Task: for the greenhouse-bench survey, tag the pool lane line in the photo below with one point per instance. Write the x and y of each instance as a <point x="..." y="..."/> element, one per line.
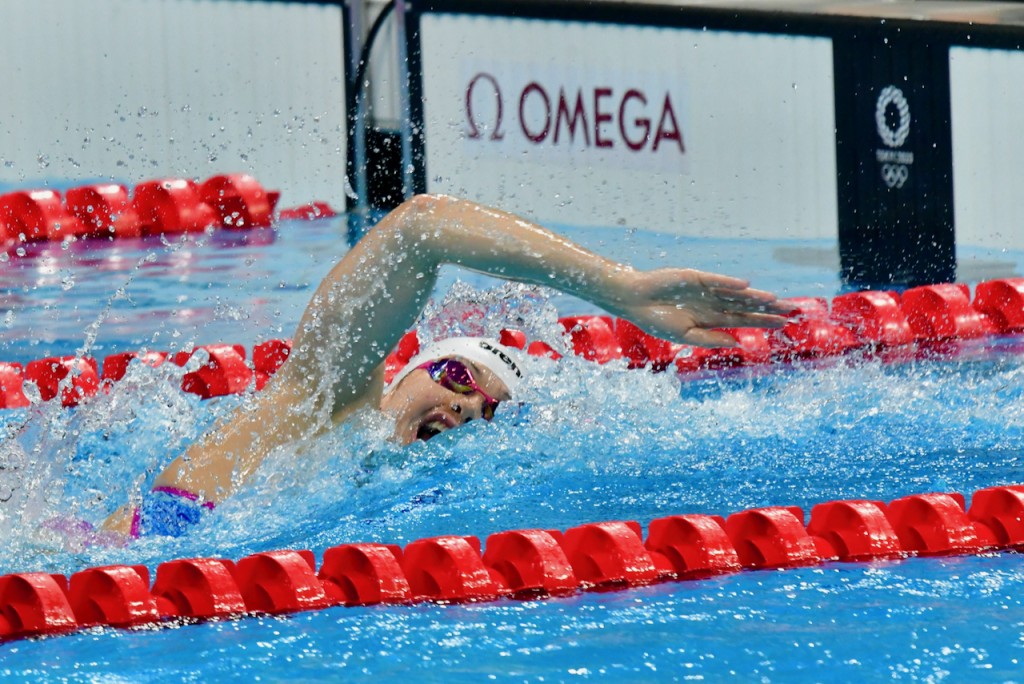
<point x="517" y="564"/>
<point x="931" y="321"/>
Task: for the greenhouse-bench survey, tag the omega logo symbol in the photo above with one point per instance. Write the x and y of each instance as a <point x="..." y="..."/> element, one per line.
<point x="474" y="129"/>
<point x="632" y="119"/>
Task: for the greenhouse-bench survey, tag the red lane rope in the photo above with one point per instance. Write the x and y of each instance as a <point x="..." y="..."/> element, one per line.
<point x="157" y="207"/>
<point x="923" y="321"/>
<point x="519" y="564"/>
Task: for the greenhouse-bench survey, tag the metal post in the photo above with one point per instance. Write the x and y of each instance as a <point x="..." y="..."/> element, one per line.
<point x="357" y="16"/>
<point x="403" y="95"/>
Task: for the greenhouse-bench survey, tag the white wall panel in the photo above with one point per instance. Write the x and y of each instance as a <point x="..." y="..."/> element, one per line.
<point x="987" y="102"/>
<point x="138" y="89"/>
<point x="756" y="113"/>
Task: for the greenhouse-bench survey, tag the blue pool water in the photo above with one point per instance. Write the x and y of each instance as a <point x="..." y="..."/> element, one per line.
<point x="592" y="443"/>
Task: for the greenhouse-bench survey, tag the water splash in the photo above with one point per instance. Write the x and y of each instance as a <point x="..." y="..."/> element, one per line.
<point x="588" y="443"/>
<point x="466" y="310"/>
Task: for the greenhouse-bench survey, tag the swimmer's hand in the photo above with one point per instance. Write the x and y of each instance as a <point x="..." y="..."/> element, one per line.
<point x="685" y="305"/>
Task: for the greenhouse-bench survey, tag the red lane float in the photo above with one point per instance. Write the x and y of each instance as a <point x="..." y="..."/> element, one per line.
<point x="74" y="378"/>
<point x="877" y="322"/>
<point x="171" y="206"/>
<point x="1003" y="302"/>
<point x="642" y="349"/>
<point x="267" y="358"/>
<point x="155" y="207"/>
<point x="104" y="210"/>
<point x="516" y="339"/>
<point x="592" y="337"/>
<point x="37" y="216"/>
<point x="609" y="553"/>
<point x="520" y="563"/>
<point x="874" y="318"/>
<point x="281" y="582"/>
<point x="408" y="347"/>
<point x="531" y="562"/>
<point x="1000" y="510"/>
<point x="239" y="201"/>
<point x="810" y="333"/>
<point x="539" y="348"/>
<point x="943" y="312"/>
<point x="308" y="212"/>
<point x="115" y="595"/>
<point x="222" y="372"/>
<point x="199" y="588"/>
<point x="936" y="524"/>
<point x="365" y="574"/>
<point x="772" y="537"/>
<point x="694" y="545"/>
<point x="35" y="604"/>
<point x="752" y="348"/>
<point x="12" y="381"/>
<point x="115" y="366"/>
<point x="854" y="531"/>
<point x="450" y="569"/>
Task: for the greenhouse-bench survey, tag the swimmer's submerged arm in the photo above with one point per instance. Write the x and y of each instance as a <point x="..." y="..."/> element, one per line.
<point x="375" y="293"/>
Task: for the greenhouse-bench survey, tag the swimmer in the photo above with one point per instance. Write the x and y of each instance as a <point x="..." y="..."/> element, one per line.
<point x="375" y="294"/>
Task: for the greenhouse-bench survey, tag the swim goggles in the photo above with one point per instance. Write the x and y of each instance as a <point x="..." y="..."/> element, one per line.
<point x="456" y="377"/>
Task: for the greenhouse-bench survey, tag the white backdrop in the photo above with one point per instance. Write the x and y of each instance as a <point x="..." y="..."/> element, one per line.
<point x="988" y="146"/>
<point x="741" y="127"/>
<point x="138" y="89"/>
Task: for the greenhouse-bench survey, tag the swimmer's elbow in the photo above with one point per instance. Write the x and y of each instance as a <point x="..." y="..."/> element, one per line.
<point x="419" y="221"/>
<point x="424" y="206"/>
<point x="423" y="211"/>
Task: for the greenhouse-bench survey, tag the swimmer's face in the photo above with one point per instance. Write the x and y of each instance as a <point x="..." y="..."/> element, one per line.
<point x="422" y="408"/>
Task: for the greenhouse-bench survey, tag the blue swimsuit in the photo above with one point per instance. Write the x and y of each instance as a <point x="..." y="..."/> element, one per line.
<point x="168" y="512"/>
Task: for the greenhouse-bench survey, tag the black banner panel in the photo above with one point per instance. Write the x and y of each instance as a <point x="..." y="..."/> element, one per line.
<point x="893" y="153"/>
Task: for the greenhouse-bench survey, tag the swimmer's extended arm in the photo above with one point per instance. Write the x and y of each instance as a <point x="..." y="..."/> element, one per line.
<point x="374" y="295"/>
<point x="376" y="292"/>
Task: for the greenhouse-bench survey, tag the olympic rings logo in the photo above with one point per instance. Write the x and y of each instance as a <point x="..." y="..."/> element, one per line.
<point x="891" y="95"/>
<point x="895" y="175"/>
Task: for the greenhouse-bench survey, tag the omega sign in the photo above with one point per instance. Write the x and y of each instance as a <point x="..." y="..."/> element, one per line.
<point x="544" y="116"/>
<point x="892" y="121"/>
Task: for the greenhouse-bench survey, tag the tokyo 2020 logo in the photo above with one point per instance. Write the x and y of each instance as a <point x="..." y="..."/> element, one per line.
<point x="892" y="96"/>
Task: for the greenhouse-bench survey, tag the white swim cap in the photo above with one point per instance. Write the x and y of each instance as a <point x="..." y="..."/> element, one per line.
<point x="482" y="351"/>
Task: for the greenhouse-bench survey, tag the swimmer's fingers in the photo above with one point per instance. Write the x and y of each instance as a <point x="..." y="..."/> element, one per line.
<point x="755" y="301"/>
<point x="698" y="325"/>
<point x="744" y="319"/>
<point x="705" y="337"/>
<point x="671" y="282"/>
<point x="717" y="281"/>
<point x="690" y="287"/>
